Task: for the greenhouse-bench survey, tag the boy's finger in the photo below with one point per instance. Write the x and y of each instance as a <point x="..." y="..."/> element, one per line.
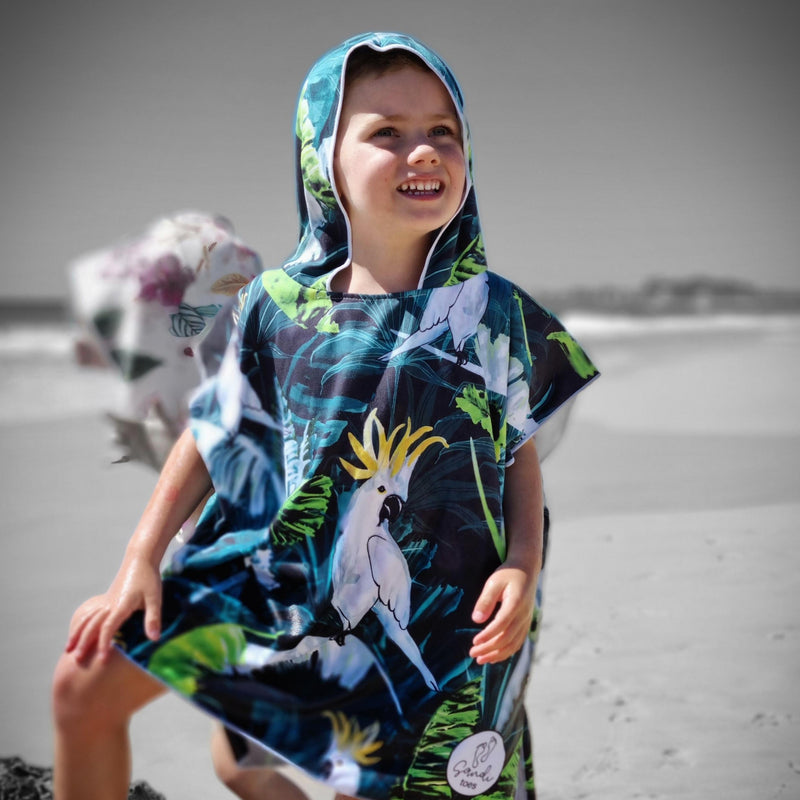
<point x="486" y="634"/>
<point x="87" y="639"/>
<point x="493" y="653"/>
<point x="104" y="640"/>
<point x="76" y="628"/>
<point x="152" y="616"/>
<point x="486" y="640"/>
<point x="489" y="655"/>
<point x="498" y="641"/>
<point x="487" y="601"/>
<point x="110" y="627"/>
<point x="79" y="619"/>
<point x="501" y="621"/>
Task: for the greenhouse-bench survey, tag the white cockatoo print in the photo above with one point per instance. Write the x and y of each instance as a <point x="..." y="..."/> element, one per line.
<point x="369" y="571"/>
<point x="351" y="749"/>
<point x="459" y="308"/>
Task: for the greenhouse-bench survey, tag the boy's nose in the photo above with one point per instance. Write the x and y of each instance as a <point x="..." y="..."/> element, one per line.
<point x="423" y="153"/>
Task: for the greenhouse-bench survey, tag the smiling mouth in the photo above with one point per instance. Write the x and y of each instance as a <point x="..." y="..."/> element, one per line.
<point x="428" y="188"/>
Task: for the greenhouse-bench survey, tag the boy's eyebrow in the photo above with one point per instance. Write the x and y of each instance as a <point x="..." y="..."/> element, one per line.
<point x="442" y="115"/>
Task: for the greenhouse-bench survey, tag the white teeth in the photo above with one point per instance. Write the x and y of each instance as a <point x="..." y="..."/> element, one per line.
<point x="421" y="186"/>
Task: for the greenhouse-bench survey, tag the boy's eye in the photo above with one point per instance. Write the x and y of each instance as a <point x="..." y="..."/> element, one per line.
<point x="442" y="130"/>
<point x="385" y="132"/>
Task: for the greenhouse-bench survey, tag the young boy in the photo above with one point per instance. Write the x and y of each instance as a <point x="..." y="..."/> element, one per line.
<point x="359" y="592"/>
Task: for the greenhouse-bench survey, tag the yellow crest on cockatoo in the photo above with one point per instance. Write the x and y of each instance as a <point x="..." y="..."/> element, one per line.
<point x="388" y="455"/>
<point x="350" y="739"/>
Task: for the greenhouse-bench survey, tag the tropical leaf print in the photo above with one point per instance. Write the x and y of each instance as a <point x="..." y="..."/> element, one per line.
<point x="191" y="320"/>
<point x="471" y="262"/>
<point x="303" y="512"/>
<point x="133" y="365"/>
<point x="310" y="162"/>
<point x="530" y="781"/>
<point x="296" y="446"/>
<point x="475" y="402"/>
<point x="498" y="537"/>
<point x="574" y="352"/>
<point x="454" y="720"/>
<point x="305" y="307"/>
<point x="518" y="298"/>
<point x="184" y="659"/>
<point x="229" y="284"/>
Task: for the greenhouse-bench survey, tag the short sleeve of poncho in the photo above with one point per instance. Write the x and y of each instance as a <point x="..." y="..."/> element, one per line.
<point x="546" y="367"/>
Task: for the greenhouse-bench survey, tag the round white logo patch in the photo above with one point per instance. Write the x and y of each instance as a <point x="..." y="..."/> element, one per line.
<point x="476" y="763"/>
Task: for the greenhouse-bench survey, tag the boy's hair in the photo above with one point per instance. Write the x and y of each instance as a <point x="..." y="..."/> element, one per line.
<point x="364" y="61"/>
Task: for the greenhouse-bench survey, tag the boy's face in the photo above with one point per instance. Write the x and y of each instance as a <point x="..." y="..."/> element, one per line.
<point x="399" y="163"/>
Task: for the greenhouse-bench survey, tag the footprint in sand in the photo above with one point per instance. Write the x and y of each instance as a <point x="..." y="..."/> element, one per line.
<point x="672" y="757"/>
<point x="607" y="761"/>
<point x="622" y="709"/>
<point x="771" y="719"/>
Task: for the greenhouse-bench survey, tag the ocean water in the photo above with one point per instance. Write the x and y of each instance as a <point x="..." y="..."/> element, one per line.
<point x="40" y="379"/>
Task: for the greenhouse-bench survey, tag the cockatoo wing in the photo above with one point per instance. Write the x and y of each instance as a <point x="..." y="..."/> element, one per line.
<point x="391" y="576"/>
<point x="439" y="304"/>
<point x="468" y="310"/>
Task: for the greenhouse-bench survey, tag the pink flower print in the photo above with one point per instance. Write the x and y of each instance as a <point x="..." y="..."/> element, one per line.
<point x="165" y="280"/>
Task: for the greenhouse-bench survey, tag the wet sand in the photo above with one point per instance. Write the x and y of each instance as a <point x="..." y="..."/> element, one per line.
<point x="670" y="648"/>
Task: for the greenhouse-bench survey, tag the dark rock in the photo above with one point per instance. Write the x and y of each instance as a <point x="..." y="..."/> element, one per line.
<point x="22" y="781"/>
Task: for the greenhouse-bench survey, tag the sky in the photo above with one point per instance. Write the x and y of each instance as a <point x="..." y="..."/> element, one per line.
<point x="615" y="140"/>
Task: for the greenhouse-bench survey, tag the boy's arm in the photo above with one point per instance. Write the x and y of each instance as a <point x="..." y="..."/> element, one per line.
<point x="513" y="584"/>
<point x="182" y="485"/>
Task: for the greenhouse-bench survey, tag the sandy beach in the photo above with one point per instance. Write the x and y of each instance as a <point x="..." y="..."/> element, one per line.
<point x="670" y="648"/>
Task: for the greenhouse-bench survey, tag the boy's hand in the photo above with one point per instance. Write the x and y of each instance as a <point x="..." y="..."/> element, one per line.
<point x="136" y="586"/>
<point x="514" y="589"/>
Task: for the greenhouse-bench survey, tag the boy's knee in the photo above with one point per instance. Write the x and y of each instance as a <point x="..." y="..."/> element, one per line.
<point x="69" y="696"/>
<point x="78" y="697"/>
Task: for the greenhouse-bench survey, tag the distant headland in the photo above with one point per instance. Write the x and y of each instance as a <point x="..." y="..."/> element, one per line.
<point x="674" y="296"/>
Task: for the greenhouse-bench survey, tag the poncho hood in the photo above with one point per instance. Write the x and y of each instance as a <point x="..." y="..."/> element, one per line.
<point x="457" y="252"/>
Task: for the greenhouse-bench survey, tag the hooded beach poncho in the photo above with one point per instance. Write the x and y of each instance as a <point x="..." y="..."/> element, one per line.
<point x="358" y="447"/>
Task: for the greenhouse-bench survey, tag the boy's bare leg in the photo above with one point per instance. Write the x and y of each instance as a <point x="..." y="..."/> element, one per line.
<point x="92" y="706"/>
<point x="258" y="783"/>
<point x="248" y="783"/>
